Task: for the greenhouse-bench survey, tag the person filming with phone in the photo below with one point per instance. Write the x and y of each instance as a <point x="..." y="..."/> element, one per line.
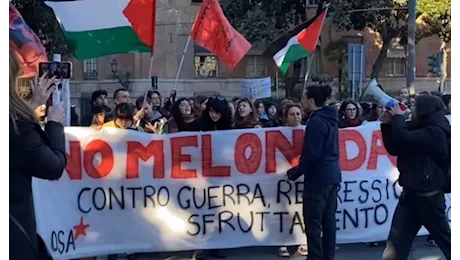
<point x="33" y="152"/>
<point x="422" y="147"/>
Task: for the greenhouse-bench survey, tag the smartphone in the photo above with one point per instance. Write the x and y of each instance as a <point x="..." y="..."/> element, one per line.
<point x="62" y="70"/>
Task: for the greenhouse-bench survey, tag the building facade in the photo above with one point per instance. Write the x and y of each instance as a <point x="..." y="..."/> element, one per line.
<point x="202" y="72"/>
<point x="174" y="20"/>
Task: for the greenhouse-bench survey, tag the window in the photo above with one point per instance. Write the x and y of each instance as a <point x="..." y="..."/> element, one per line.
<point x="256" y="66"/>
<point x="206" y="66"/>
<point x="395" y="66"/>
<point x="24" y="86"/>
<point x="90" y="69"/>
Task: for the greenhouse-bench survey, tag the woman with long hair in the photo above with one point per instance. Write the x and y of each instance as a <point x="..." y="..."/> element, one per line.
<point x="292" y="117"/>
<point x="33" y="152"/>
<point x="349" y="114"/>
<point x="217" y="115"/>
<point x="246" y="115"/>
<point x="183" y="118"/>
<point x="260" y="107"/>
<point x="99" y="112"/>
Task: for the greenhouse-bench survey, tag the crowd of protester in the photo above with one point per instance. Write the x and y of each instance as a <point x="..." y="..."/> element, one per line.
<point x="157" y="115"/>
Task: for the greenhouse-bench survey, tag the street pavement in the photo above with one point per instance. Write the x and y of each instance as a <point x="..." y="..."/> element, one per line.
<point x="420" y="251"/>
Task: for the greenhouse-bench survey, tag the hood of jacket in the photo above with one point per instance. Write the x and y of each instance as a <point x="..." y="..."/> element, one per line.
<point x="328" y="114"/>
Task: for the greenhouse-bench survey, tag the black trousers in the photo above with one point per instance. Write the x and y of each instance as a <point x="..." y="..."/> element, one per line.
<point x="411" y="213"/>
<point x="319" y="206"/>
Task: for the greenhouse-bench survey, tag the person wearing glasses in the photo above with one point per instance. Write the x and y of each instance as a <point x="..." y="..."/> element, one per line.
<point x="349" y="115"/>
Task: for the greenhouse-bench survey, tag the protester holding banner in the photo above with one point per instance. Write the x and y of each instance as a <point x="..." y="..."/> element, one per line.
<point x="271" y="110"/>
<point x="183" y="118"/>
<point x="124" y="118"/>
<point x="263" y="117"/>
<point x="217" y="115"/>
<point x="292" y="115"/>
<point x="293" y="118"/>
<point x="319" y="164"/>
<point x="246" y="115"/>
<point x="148" y="121"/>
<point x="99" y="113"/>
<point x="43" y="152"/>
<point x="349" y="114"/>
<point x="423" y="150"/>
<point x="98" y="97"/>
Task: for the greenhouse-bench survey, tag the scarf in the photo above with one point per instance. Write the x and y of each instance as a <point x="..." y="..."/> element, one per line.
<point x="352" y="122"/>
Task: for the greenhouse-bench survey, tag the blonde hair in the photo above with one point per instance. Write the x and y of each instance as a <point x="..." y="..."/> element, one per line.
<point x="19" y="109"/>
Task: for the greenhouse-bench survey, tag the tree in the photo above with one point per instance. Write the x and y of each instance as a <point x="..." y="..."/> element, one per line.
<point x="262" y="21"/>
<point x="388" y="23"/>
<point x="392" y="23"/>
<point x="436" y="17"/>
<point x="337" y="51"/>
<point x="42" y="21"/>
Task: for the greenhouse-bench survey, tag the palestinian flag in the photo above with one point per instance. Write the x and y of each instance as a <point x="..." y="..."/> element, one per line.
<point x="95" y="28"/>
<point x="301" y="45"/>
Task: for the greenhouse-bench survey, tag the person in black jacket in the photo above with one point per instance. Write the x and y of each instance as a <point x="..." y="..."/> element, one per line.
<point x="32" y="153"/>
<point x="319" y="164"/>
<point x="423" y="150"/>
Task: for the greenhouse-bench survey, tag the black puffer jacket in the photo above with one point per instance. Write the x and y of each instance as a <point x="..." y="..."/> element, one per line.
<point x="33" y="153"/>
<point x="421" y="148"/>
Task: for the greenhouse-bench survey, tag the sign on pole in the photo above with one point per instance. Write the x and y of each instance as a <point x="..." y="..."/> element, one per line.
<point x="356" y="68"/>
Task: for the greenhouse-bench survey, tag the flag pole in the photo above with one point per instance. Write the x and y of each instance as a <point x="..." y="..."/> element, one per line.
<point x="138" y="123"/>
<point x="181" y="61"/>
<point x="313" y="54"/>
<point x="308" y="71"/>
<point x="277" y="87"/>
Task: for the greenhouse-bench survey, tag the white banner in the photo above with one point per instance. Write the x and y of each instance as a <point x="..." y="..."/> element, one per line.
<point x="131" y="192"/>
<point x="256" y="88"/>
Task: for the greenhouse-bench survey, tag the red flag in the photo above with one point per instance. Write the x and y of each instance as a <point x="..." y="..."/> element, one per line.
<point x="212" y="31"/>
<point x="142" y="16"/>
<point x="26" y="44"/>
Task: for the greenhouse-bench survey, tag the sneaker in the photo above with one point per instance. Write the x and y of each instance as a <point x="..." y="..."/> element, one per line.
<point x="198" y="255"/>
<point x="303" y="250"/>
<point x="372" y="244"/>
<point x="283" y="252"/>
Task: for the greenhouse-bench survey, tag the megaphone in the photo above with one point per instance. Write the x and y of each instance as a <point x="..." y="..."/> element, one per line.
<point x="374" y="94"/>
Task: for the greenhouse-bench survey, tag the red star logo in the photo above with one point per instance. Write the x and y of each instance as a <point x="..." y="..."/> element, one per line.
<point x="80" y="229"/>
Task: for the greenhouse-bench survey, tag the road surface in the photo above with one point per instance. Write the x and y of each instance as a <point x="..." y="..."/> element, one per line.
<point x="420" y="251"/>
